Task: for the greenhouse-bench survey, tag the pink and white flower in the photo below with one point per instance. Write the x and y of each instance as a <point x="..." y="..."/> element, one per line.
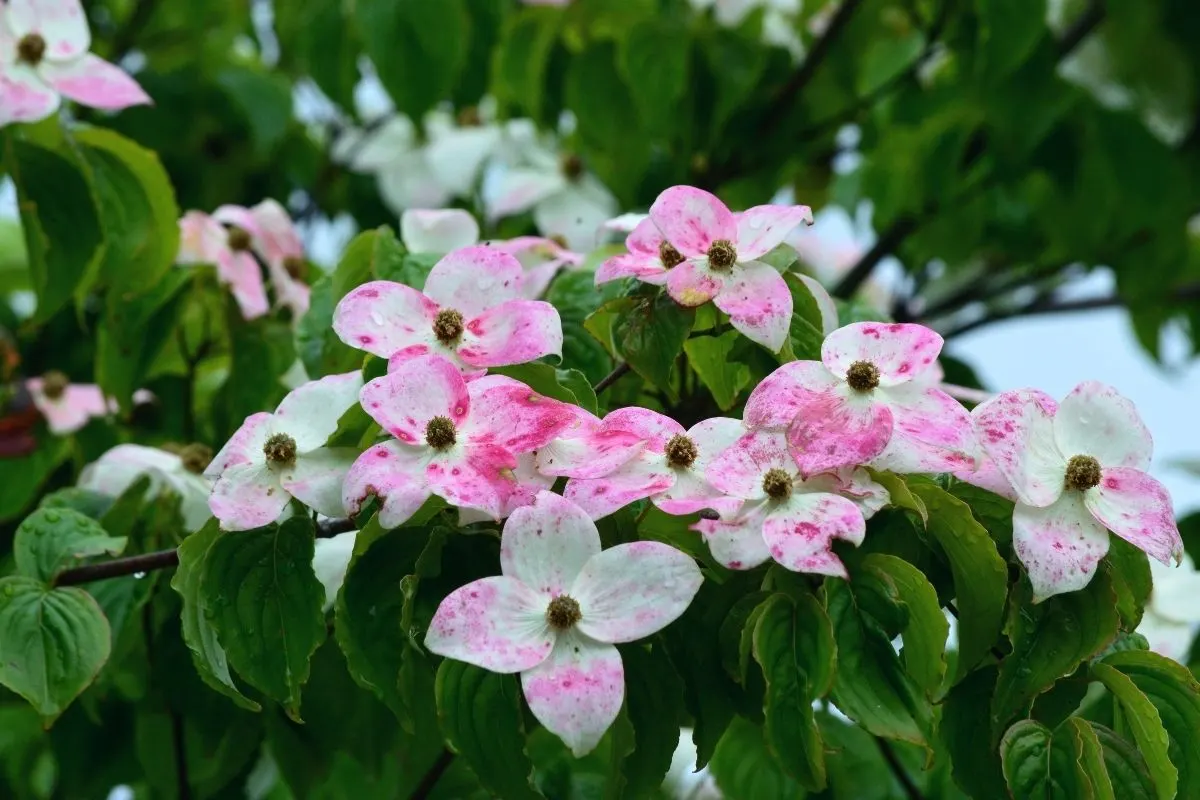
<point x="635" y="453"/>
<point x="275" y="239"/>
<point x="118" y="468"/>
<point x="44" y="57"/>
<point x="866" y="402"/>
<point x="556" y="611"/>
<point x="783" y="515"/>
<point x="438" y="231"/>
<point x="542" y="259"/>
<point x="457" y="440"/>
<point x="67" y="407"/>
<point x="204" y="240"/>
<point x="702" y="251"/>
<point x="472" y="313"/>
<point x="1078" y="470"/>
<point x="275" y="457"/>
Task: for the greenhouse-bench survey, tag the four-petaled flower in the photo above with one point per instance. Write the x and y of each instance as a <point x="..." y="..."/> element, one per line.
<point x="784" y="516"/>
<point x="866" y="401"/>
<point x="471" y="313"/>
<point x="1078" y="469"/>
<point x="44" y="55"/>
<point x="454" y="439"/>
<point x="204" y="240"/>
<point x="275" y="457"/>
<point x="276" y="241"/>
<point x="556" y="611"/>
<point x="67" y="406"/>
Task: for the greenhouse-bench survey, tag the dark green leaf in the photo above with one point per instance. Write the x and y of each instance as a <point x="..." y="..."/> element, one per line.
<point x="653" y="58"/>
<point x="1126" y="768"/>
<point x="1008" y="32"/>
<point x="53" y="539"/>
<point x="654" y="708"/>
<point x="521" y="61"/>
<point x="21" y="477"/>
<point x="710" y="358"/>
<point x="134" y="333"/>
<point x="1143" y="719"/>
<point x="925" y="633"/>
<point x="85" y="501"/>
<point x="975" y="760"/>
<point x="1129" y="569"/>
<point x="806" y="331"/>
<point x="265" y="100"/>
<point x="650" y="332"/>
<point x="744" y="768"/>
<point x="565" y="385"/>
<point x="1039" y="765"/>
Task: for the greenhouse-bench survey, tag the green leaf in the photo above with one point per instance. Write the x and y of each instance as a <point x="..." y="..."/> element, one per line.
<point x="925" y="633"/>
<point x="1049" y="641"/>
<point x="54" y="641"/>
<point x="650" y="332"/>
<point x="710" y="358"/>
<point x="1125" y="766"/>
<point x="137" y="207"/>
<point x="806" y="332"/>
<point x="418" y="48"/>
<point x="198" y="632"/>
<point x="373" y="254"/>
<point x="653" y="58"/>
<point x="993" y="511"/>
<point x="323" y="44"/>
<point x="575" y="295"/>
<point x="134" y="333"/>
<point x="85" y="501"/>
<point x="63" y="235"/>
<point x="980" y="574"/>
<point x="1008" y="32"/>
<point x="51" y="540"/>
<point x="976" y="763"/>
<point x="899" y="494"/>
<point x="1129" y="569"/>
<point x="793" y="642"/>
<point x="1143" y="719"/>
<point x="480" y="713"/>
<point x="871" y="686"/>
<point x="745" y="770"/>
<point x="887" y="58"/>
<point x="565" y="385"/>
<point x="736" y="63"/>
<point x="604" y="107"/>
<point x="521" y="61"/>
<point x="20" y="478"/>
<point x="319" y="348"/>
<point x="654" y="708"/>
<point x="1037" y="764"/>
<point x="1090" y="754"/>
<point x="260" y="594"/>
<point x="265" y="100"/>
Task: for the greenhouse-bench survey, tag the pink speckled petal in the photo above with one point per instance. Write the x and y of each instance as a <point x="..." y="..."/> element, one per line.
<point x="545" y="545"/>
<point x="247" y="496"/>
<point x="899" y="351"/>
<point x="316" y="478"/>
<point x="242" y="217"/>
<point x="692" y="219"/>
<point x="244" y="447"/>
<point x="404" y="402"/>
<point x="576" y="692"/>
<point x="855" y="485"/>
<point x="691" y="284"/>
<point x="639" y="477"/>
<point x="633" y="590"/>
<point x="762" y="228"/>
<point x="527" y="482"/>
<point x="497" y="623"/>
<point x="61" y="23"/>
<point x="931" y="431"/>
<point x="508" y="413"/>
<point x="1016" y="430"/>
<point x="310" y="413"/>
<point x="1059" y="545"/>
<point x="289" y="292"/>
<point x="800" y="533"/>
<point x="986" y="475"/>
<point x="691" y="493"/>
<point x="473" y="279"/>
<point x="645" y="238"/>
<point x="383" y="318"/>
<point x="393" y="472"/>
<point x="653" y="428"/>
<point x="1095" y="420"/>
<point x="589" y="454"/>
<point x="437" y="231"/>
<point x="512" y="333"/>
<point x="1137" y="508"/>
<point x="241" y="273"/>
<point x="836" y="429"/>
<point x="739" y="469"/>
<point x="759" y="304"/>
<point x="94" y="82"/>
<point x="737" y="543"/>
<point x="646" y="268"/>
<point x="712" y="437"/>
<point x="280" y="239"/>
<point x="479" y="475"/>
<point x="24" y="97"/>
<point x="779" y="397"/>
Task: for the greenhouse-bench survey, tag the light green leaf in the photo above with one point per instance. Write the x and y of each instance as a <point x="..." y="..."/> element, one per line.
<point x="899" y="493"/>
<point x="710" y="358"/>
<point x="925" y="633"/>
<point x="51" y="540"/>
<point x="565" y="385"/>
<point x="1143" y="719"/>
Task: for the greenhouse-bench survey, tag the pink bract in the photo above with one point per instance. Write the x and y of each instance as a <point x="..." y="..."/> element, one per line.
<point x="274" y="238"/>
<point x="78" y="404"/>
<point x="542" y="259"/>
<point x="204" y="240"/>
<point x="1078" y="472"/>
<point x="471" y="313"/>
<point x="557" y="610"/>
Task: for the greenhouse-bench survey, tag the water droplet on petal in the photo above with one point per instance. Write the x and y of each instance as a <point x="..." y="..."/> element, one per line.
<point x="376" y="318"/>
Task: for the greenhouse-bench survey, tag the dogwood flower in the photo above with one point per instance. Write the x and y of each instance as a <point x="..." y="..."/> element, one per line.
<point x="454" y="439"/>
<point x="557" y="609"/>
<point x="44" y="57"/>
<point x="1172" y="614"/>
<point x="783" y="515"/>
<point x="67" y="406"/>
<point x="277" y="242"/>
<point x="708" y="253"/>
<point x="662" y="461"/>
<point x="542" y="259"/>
<point x="1078" y="470"/>
<point x="204" y="240"/>
<point x="471" y="313"/>
<point x="866" y="402"/>
<point x="331" y="559"/>
<point x="179" y="472"/>
<point x="275" y="457"/>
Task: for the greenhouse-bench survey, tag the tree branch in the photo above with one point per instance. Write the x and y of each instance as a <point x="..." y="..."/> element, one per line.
<point x="435" y="773"/>
<point x="612" y="377"/>
<point x="1084" y="24"/>
<point x="901" y="229"/>
<point x="893" y="762"/>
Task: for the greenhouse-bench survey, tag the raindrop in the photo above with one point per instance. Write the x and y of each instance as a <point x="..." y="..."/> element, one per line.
<point x="139" y="575"/>
<point x="53" y="517"/>
<point x="376" y="318"/>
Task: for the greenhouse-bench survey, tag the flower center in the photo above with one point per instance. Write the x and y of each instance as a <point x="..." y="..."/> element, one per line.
<point x="31" y="48"/>
<point x="863" y="376"/>
<point x="297" y="267"/>
<point x="280" y="449"/>
<point x="440" y="433"/>
<point x="448" y="326"/>
<point x="572" y="166"/>
<point x="563" y="612"/>
<point x="559" y="240"/>
<point x="777" y="484"/>
<point x="681" y="451"/>
<point x="721" y="255"/>
<point x="54" y="384"/>
<point x="468" y="117"/>
<point x="669" y="255"/>
<point x="1083" y="472"/>
<point x="196" y="457"/>
<point x="238" y="239"/>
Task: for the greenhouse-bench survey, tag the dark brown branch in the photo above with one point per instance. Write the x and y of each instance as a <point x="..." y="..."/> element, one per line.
<point x="429" y="779"/>
<point x="893" y="762"/>
<point x="849" y="284"/>
<point x="1081" y="27"/>
<point x="611" y="378"/>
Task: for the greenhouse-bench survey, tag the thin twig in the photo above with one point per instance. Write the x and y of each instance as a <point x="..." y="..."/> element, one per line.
<point x="1081" y="27"/>
<point x="180" y="747"/>
<point x="1042" y="305"/>
<point x="893" y="762"/>
<point x="433" y="775"/>
<point x="612" y="377"/>
<point x="858" y="274"/>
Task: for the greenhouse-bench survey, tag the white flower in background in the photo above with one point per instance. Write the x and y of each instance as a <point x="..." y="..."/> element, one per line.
<point x="331" y="558"/>
<point x="683" y="781"/>
<point x="437" y="231"/>
<point x="779" y="19"/>
<point x="567" y="201"/>
<point x="1172" y="616"/>
<point x="117" y="469"/>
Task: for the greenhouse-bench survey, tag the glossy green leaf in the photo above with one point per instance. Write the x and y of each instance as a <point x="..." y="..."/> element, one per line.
<point x="745" y="769"/>
<point x="51" y="540"/>
<point x="654" y="708"/>
<point x="925" y="633"/>
<point x="975" y="759"/>
<point x="1040" y="764"/>
<point x="1143" y="720"/>
<point x="899" y="494"/>
<point x="711" y="359"/>
<point x="806" y="331"/>
<point x="1129" y="569"/>
<point x="650" y="332"/>
<point x="1126" y="768"/>
<point x="85" y="501"/>
<point x="566" y="385"/>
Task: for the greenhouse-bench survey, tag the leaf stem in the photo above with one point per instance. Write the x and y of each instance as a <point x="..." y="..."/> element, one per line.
<point x="612" y="377"/>
<point x="433" y="775"/>
<point x="906" y="781"/>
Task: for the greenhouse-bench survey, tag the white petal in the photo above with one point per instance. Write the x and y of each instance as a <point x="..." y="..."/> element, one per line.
<point x="1094" y="420"/>
<point x="316" y="478"/>
<point x="497" y="623"/>
<point x="310" y="414"/>
<point x="576" y="213"/>
<point x="1060" y="545"/>
<point x="438" y="231"/>
<point x="331" y="557"/>
<point x="546" y="545"/>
